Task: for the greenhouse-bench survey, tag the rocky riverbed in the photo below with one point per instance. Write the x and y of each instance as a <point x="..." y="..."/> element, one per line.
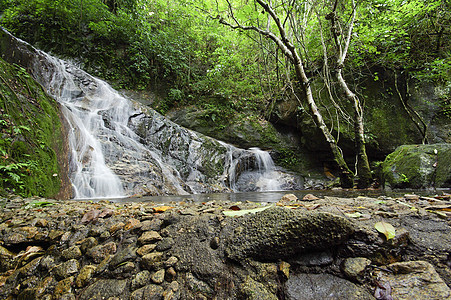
<point x="311" y="248"/>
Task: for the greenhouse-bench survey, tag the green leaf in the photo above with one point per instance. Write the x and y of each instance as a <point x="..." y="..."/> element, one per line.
<point x="353" y="215"/>
<point x="238" y="213"/>
<point x="386" y="229"/>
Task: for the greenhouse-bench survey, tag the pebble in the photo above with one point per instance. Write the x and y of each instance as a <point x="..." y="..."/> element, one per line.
<point x="158" y="276"/>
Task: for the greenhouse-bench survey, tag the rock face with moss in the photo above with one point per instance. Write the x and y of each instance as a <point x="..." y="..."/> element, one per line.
<point x="32" y="146"/>
<point x="418" y="166"/>
<point x="388" y="108"/>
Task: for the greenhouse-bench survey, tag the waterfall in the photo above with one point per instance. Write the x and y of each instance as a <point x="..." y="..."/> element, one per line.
<point x="119" y="147"/>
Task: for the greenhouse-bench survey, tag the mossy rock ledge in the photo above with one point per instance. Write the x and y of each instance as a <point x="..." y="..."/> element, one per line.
<point x="418" y="166"/>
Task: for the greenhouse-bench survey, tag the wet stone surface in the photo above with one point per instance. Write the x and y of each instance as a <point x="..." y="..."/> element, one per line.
<point x="318" y="248"/>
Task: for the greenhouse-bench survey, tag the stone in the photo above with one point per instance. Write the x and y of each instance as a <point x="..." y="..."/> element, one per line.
<point x="145" y="249"/>
<point x="104" y="289"/>
<point x="149" y="292"/>
<point x="418" y="166"/>
<point x="63" y="287"/>
<point x="414" y="280"/>
<point x="323" y="286"/>
<point x="116" y="227"/>
<point x="73" y="252"/>
<point x="165" y="244"/>
<point x="309" y="197"/>
<point x="149" y="237"/>
<point x="279" y="233"/>
<point x="171" y="274"/>
<point x="322" y="258"/>
<point x="44" y="286"/>
<point x="289" y="198"/>
<point x="7" y="259"/>
<point x="171" y="261"/>
<point x="66" y="269"/>
<point x="41" y="223"/>
<point x="354" y="267"/>
<point x="85" y="275"/>
<point x="99" y="252"/>
<point x="254" y="290"/>
<point x="158" y="276"/>
<point x="151" y="225"/>
<point x="152" y="260"/>
<point x="140" y="279"/>
<point x="87" y="243"/>
<point x="132" y="223"/>
<point x="126" y="254"/>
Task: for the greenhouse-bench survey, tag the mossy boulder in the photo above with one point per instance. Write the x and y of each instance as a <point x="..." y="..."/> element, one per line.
<point x="418" y="166"/>
<point x="280" y="233"/>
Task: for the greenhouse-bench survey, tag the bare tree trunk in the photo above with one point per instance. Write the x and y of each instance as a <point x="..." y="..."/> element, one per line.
<point x="288" y="49"/>
<point x="363" y="166"/>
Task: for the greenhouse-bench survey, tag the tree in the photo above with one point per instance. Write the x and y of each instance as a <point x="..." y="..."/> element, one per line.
<point x="278" y="34"/>
<point x="342" y="41"/>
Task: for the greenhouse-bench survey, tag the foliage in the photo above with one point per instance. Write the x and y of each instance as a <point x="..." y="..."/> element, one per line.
<point x="30" y="133"/>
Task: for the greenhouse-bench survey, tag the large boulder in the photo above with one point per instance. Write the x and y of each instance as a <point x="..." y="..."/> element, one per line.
<point x="280" y="233"/>
<point x="418" y="166"/>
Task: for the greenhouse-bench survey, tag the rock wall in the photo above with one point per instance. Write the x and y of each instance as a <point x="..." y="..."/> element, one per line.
<point x="387" y="124"/>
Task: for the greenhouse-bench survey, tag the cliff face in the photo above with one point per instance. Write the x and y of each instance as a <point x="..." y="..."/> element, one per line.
<point x="33" y="146"/>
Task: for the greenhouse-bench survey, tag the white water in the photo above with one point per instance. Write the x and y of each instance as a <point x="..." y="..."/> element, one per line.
<point x="109" y="160"/>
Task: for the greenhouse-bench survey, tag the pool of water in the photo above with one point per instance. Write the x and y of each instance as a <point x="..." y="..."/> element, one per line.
<point x="275" y="196"/>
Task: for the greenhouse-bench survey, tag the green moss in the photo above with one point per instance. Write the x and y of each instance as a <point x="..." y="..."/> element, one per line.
<point x="31" y="133"/>
<point x="418" y="166"/>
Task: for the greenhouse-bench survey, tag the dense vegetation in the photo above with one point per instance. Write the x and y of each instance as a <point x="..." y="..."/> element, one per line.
<point x="30" y="136"/>
<point x="182" y="49"/>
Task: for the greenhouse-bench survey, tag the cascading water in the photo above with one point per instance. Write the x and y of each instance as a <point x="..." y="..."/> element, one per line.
<point x="121" y="148"/>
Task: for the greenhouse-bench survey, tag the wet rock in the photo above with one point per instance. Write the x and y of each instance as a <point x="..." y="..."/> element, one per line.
<point x="104" y="289"/>
<point x="71" y="253"/>
<point x="158" y="276"/>
<point x="30" y="268"/>
<point x="126" y="254"/>
<point x="289" y="198"/>
<point x="171" y="274"/>
<point x="99" y="252"/>
<point x="145" y="249"/>
<point x="149" y="237"/>
<point x="312" y="259"/>
<point x="14" y="238"/>
<point x="85" y="275"/>
<point x="151" y="225"/>
<point x="124" y="270"/>
<point x="116" y="227"/>
<point x="63" y="287"/>
<point x="165" y="244"/>
<point x="66" y="269"/>
<point x="196" y="285"/>
<point x="41" y="223"/>
<point x="254" y="290"/>
<point x="44" y="286"/>
<point x="418" y="166"/>
<point x="87" y="243"/>
<point x="171" y="261"/>
<point x="278" y="233"/>
<point x="152" y="260"/>
<point x="149" y="292"/>
<point x="322" y="287"/>
<point x="132" y="224"/>
<point x="414" y="280"/>
<point x="140" y="279"/>
<point x="7" y="259"/>
<point x="354" y="267"/>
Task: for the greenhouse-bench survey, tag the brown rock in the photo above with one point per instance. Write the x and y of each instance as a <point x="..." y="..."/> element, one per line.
<point x="145" y="249"/>
<point x="149" y="237"/>
<point x="85" y="275"/>
<point x="310" y="197"/>
<point x="414" y="280"/>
